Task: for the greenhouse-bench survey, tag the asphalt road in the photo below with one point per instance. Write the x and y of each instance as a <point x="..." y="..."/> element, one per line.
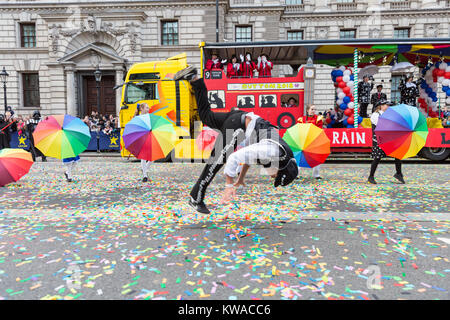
<point x="109" y="236"/>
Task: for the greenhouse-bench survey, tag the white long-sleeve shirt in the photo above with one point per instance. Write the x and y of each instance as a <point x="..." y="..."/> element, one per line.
<point x="265" y="151"/>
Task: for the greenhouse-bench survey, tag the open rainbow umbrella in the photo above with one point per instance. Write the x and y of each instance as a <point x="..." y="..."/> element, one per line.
<point x="401" y="131"/>
<point x="61" y="136"/>
<point x="309" y="143"/>
<point x="206" y="139"/>
<point x="14" y="164"/>
<point x="149" y="137"/>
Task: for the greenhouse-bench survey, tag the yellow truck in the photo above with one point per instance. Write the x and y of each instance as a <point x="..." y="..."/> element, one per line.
<point x="151" y="83"/>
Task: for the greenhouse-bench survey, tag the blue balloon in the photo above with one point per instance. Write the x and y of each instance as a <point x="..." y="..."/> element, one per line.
<point x="339" y="73"/>
<point x="347" y="100"/>
<point x="350" y="126"/>
<point x="429" y="90"/>
<point x="360" y="119"/>
<point x="433" y="95"/>
<point x="345" y="123"/>
<point x="352" y="77"/>
<point x="448" y="93"/>
<point x="445" y="88"/>
<point x="435" y="99"/>
<point x="343" y="106"/>
<point x="423" y="85"/>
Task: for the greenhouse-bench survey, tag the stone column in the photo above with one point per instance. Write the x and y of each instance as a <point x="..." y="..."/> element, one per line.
<point x="70" y="90"/>
<point x="119" y="81"/>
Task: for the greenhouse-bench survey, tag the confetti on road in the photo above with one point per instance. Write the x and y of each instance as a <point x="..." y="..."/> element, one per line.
<point x="108" y="235"/>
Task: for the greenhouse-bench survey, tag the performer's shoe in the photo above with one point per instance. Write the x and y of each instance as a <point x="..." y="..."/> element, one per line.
<point x="200" y="207"/>
<point x="186" y="74"/>
<point x="399" y="177"/>
<point x="145" y="179"/>
<point x="371" y="180"/>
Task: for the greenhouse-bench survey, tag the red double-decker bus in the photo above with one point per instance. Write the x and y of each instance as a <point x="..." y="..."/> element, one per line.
<point x="268" y="97"/>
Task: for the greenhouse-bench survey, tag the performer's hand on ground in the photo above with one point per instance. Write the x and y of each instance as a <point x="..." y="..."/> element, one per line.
<point x="229" y="194"/>
<point x="240" y="184"/>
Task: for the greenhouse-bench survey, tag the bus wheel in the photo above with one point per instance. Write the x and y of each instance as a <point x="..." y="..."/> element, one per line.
<point x="435" y="154"/>
<point x="285" y="120"/>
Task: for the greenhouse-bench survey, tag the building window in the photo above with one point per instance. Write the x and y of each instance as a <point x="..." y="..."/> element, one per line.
<point x="344" y="1"/>
<point x="293" y="2"/>
<point x="395" y="93"/>
<point x="348" y="34"/>
<point x="243" y="33"/>
<point x="295" y="35"/>
<point x="400" y="33"/>
<point x="30" y="88"/>
<point x="27" y="35"/>
<point x="169" y="34"/>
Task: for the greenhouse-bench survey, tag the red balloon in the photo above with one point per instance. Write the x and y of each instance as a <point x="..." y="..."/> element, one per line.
<point x="348" y="112"/>
<point x="336" y="85"/>
<point x="345" y="89"/>
<point x="434" y="79"/>
<point x="447" y="75"/>
<point x="441" y="73"/>
<point x="342" y="85"/>
<point x="339" y="79"/>
<point x="350" y="120"/>
<point x="435" y="72"/>
<point x="420" y="100"/>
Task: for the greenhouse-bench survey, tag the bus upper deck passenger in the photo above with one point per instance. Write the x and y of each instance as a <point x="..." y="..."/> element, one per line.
<point x="264" y="66"/>
<point x="214" y="62"/>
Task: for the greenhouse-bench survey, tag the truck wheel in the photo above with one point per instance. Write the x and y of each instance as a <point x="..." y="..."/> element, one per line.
<point x="285" y="120"/>
<point x="435" y="154"/>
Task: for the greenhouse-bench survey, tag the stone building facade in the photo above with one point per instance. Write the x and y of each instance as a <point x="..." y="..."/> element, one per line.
<point x="51" y="48"/>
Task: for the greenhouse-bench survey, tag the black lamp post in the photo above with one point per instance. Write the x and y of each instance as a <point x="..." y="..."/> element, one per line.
<point x="98" y="78"/>
<point x="4" y="78"/>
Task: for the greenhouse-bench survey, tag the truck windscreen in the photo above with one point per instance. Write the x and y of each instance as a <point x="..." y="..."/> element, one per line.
<point x="136" y="92"/>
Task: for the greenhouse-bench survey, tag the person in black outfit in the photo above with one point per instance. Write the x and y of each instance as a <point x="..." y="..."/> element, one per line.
<point x="233" y="126"/>
<point x="377" y="152"/>
<point x="409" y="91"/>
<point x="364" y="88"/>
<point x="377" y="96"/>
<point x="31" y="126"/>
<point x="4" y="133"/>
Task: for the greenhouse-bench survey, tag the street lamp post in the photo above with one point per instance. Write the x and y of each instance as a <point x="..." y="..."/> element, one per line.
<point x="98" y="78"/>
<point x="4" y="78"/>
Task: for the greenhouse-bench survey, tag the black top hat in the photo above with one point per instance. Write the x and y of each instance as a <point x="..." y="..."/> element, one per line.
<point x="287" y="174"/>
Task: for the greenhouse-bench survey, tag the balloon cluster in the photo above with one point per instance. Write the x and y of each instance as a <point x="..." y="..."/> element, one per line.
<point x="431" y="76"/>
<point x="343" y="82"/>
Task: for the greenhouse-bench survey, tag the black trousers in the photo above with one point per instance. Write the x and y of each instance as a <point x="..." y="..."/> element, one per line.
<point x="363" y="110"/>
<point x="376" y="161"/>
<point x="232" y="128"/>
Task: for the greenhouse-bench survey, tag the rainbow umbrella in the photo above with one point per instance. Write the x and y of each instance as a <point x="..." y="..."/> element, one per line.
<point x="14" y="164"/>
<point x="149" y="137"/>
<point x="61" y="136"/>
<point x="206" y="139"/>
<point x="309" y="143"/>
<point x="401" y="131"/>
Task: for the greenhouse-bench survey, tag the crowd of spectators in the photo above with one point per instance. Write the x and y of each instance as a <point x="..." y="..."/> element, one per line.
<point x="10" y="123"/>
<point x="104" y="123"/>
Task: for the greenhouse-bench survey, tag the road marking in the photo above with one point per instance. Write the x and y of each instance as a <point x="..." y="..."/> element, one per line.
<point x="446" y="240"/>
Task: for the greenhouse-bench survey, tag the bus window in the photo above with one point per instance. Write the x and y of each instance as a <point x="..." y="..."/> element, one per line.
<point x="289" y="100"/>
<point x="216" y="99"/>
<point x="136" y="92"/>
<point x="246" y="101"/>
<point x="268" y="101"/>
